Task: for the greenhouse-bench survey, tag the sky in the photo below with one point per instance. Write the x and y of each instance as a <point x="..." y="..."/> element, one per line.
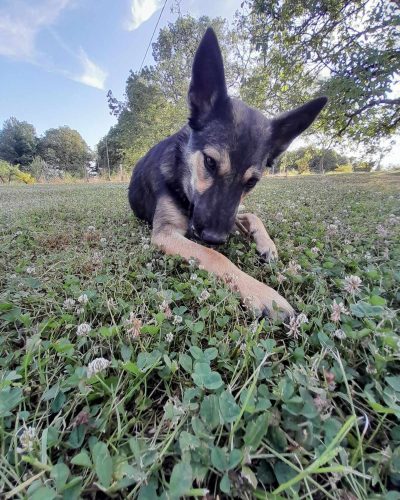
<point x="58" y="58"/>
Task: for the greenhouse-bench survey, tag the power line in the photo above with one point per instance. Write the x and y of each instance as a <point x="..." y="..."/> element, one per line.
<point x="152" y="36"/>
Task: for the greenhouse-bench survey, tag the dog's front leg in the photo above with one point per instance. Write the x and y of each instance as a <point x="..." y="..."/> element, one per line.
<point x="252" y="225"/>
<point x="169" y="227"/>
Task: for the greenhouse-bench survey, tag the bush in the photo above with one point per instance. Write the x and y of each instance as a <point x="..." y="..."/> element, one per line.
<point x="8" y="172"/>
<point x="344" y="169"/>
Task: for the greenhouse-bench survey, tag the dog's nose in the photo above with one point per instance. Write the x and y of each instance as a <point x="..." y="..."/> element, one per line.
<point x="212" y="237"/>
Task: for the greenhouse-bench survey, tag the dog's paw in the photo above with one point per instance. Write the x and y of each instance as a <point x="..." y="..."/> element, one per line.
<point x="267" y="251"/>
<point x="262" y="300"/>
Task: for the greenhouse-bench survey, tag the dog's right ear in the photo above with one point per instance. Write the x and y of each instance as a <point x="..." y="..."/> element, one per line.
<point x="207" y="91"/>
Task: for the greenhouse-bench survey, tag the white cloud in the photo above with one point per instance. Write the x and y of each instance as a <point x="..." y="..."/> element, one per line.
<point x="141" y="11"/>
<point x="20" y="23"/>
<point x="92" y="74"/>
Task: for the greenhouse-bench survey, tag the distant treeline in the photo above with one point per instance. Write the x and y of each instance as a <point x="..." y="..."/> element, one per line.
<point x="26" y="157"/>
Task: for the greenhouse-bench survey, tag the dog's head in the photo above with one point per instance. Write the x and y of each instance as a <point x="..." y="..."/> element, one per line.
<point x="230" y="143"/>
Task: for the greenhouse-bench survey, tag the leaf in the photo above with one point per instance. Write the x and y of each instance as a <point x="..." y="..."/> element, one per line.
<point x="60" y="473"/>
<point x="256" y="430"/>
<point x="77" y="436"/>
<point x="186" y="362"/>
<point x="283" y="472"/>
<point x="82" y="459"/>
<point x="209" y="411"/>
<point x="147" y="360"/>
<point x="102" y="463"/>
<point x="9" y="400"/>
<point x="181" y="479"/>
<point x="43" y="493"/>
<point x="234" y="459"/>
<point x="376" y="300"/>
<point x="228" y="407"/>
<point x="188" y="442"/>
<point x="51" y="393"/>
<point x="204" y="377"/>
<point x="131" y="367"/>
<point x="225" y="484"/>
<point x="394" y="382"/>
<point x="148" y="492"/>
<point x="219" y="458"/>
<point x="249" y="475"/>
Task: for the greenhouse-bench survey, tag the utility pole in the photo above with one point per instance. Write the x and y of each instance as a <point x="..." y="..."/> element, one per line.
<point x="108" y="161"/>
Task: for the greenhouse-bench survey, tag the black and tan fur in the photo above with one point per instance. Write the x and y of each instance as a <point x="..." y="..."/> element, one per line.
<point x="190" y="185"/>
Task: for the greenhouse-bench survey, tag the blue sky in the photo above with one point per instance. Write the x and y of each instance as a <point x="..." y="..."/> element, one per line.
<point x="58" y="58"/>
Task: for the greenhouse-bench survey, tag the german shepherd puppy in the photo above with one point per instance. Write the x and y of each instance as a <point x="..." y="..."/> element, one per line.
<point x="190" y="185"/>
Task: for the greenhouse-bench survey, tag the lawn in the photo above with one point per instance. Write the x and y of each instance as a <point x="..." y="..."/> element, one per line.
<point x="126" y="373"/>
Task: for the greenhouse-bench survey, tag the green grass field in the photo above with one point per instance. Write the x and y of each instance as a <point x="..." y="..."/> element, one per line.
<point x="126" y="373"/>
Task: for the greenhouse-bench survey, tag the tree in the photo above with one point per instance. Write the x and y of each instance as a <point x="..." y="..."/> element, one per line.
<point x="18" y="142"/>
<point x="348" y="50"/>
<point x="63" y="148"/>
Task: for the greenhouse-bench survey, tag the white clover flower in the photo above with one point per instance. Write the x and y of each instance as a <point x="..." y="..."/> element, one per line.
<point x="96" y="366"/>
<point x="293" y="267"/>
<point x="382" y="231"/>
<point x="27" y="437"/>
<point x="90" y="229"/>
<point x="315" y="250"/>
<point x="337" y="310"/>
<point x="103" y="241"/>
<point x="193" y="277"/>
<point x="253" y="327"/>
<point x="371" y="369"/>
<point x="83" y="329"/>
<point x="69" y="304"/>
<point x="80" y="310"/>
<point x="302" y="318"/>
<point x="177" y="319"/>
<point x="83" y="299"/>
<point x="294" y="325"/>
<point x="280" y="278"/>
<point x="352" y="284"/>
<point x="31" y="270"/>
<point x="133" y="325"/>
<point x="164" y="308"/>
<point x="204" y="295"/>
<point x="297" y="224"/>
<point x="97" y="258"/>
<point x="169" y="337"/>
<point x="146" y="246"/>
<point x="339" y="334"/>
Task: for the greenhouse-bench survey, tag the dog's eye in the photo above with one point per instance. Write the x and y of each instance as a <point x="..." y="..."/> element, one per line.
<point x="210" y="163"/>
<point x="251" y="183"/>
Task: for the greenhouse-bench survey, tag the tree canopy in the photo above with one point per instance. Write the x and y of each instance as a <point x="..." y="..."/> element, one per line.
<point x="64" y="148"/>
<point x="18" y="142"/>
<point x="348" y="50"/>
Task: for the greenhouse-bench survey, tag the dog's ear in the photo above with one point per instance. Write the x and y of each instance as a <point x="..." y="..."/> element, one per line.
<point x="207" y="91"/>
<point x="286" y="127"/>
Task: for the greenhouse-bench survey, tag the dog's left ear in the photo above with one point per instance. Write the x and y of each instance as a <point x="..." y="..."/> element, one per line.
<point x="288" y="126"/>
<point x="207" y="91"/>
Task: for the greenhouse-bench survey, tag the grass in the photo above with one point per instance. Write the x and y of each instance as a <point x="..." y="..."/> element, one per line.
<point x="127" y="373"/>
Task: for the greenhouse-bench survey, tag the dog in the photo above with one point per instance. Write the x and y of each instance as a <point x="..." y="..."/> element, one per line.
<point x="189" y="186"/>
